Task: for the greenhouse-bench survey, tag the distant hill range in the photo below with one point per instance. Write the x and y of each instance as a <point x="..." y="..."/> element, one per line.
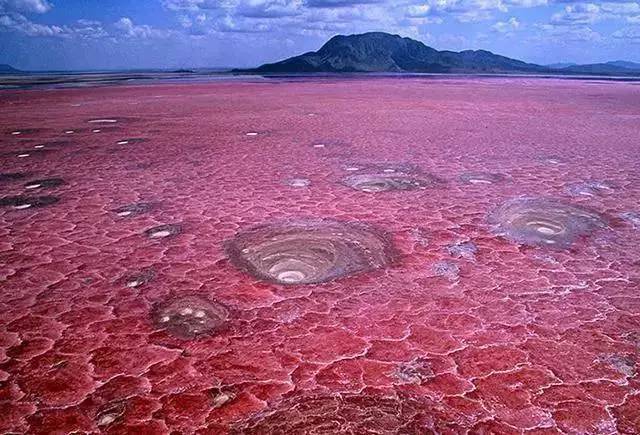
<point x="8" y="69"/>
<point x="386" y="53"/>
<point x="607" y="68"/>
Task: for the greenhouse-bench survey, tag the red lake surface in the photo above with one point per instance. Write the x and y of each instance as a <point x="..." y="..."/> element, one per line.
<point x="319" y="256"/>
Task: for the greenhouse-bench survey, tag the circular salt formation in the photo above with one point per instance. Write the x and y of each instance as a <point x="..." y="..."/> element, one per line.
<point x="544" y="222"/>
<point x="133" y="209"/>
<point x="481" y="178"/>
<point x="188" y="317"/>
<point x="24" y="202"/>
<point x="326" y="414"/>
<point x="46" y="183"/>
<point x="163" y="231"/>
<point x="589" y="188"/>
<point x="139" y="278"/>
<point x="374" y="183"/>
<point x="309" y="251"/>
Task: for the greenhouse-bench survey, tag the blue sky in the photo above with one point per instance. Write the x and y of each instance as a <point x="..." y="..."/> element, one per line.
<point x="114" y="34"/>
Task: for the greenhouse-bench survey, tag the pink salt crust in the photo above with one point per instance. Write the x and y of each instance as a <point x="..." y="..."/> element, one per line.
<point x="516" y="339"/>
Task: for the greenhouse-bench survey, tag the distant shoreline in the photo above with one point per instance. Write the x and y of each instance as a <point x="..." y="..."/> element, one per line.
<point x="81" y="80"/>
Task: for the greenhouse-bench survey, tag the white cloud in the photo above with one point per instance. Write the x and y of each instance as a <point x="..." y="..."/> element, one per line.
<point x="25" y="6"/>
<point x="507" y="26"/>
<point x="630" y="34"/>
<point x="130" y="30"/>
<point x="560" y="34"/>
<point x="19" y="23"/>
<point x="588" y="13"/>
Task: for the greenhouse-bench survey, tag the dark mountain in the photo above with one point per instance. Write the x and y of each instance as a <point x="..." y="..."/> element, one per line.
<point x="382" y="52"/>
<point x="624" y="64"/>
<point x="607" y="68"/>
<point x="8" y="69"/>
<point x="560" y="65"/>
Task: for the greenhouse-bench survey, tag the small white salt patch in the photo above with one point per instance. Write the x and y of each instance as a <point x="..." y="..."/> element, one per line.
<point x="32" y="186"/>
<point x="23" y="155"/>
<point x="159" y="234"/>
<point x="186" y="311"/>
<point x="545" y="230"/>
<point x="38" y="146"/>
<point x="97" y="130"/>
<point x="388" y="170"/>
<point x="15" y="133"/>
<point x="134" y="283"/>
<point x="199" y="314"/>
<point x="291" y="276"/>
<point x="221" y="399"/>
<point x="299" y="182"/>
<point x="69" y="132"/>
<point x="252" y="133"/>
<point x="479" y="181"/>
<point x="103" y="121"/>
<point x="124" y="213"/>
<point x="165" y="319"/>
<point x="352" y="168"/>
<point x="21" y="206"/>
<point x="106" y="420"/>
<point x="319" y="145"/>
<point x="123" y="142"/>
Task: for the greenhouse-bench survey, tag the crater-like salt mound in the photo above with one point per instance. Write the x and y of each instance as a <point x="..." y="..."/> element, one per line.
<point x="589" y="188"/>
<point x="309" y="251"/>
<point x="131" y="141"/>
<point x="163" y="231"/>
<point x="45" y="183"/>
<point x="24" y="202"/>
<point x="544" y="222"/>
<point x="131" y="210"/>
<point x="326" y="414"/>
<point x="481" y="178"/>
<point x="188" y="317"/>
<point x="387" y="181"/>
<point x="139" y="278"/>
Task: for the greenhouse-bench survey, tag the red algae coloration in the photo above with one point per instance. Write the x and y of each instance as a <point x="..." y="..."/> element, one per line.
<point x="209" y="261"/>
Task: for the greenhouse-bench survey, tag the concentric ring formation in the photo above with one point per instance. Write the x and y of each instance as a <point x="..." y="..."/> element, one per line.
<point x="544" y="222"/>
<point x="379" y="177"/>
<point x="374" y="183"/>
<point x="309" y="251"/>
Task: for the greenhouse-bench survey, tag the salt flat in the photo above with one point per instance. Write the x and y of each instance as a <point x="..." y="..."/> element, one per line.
<point x="368" y="255"/>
